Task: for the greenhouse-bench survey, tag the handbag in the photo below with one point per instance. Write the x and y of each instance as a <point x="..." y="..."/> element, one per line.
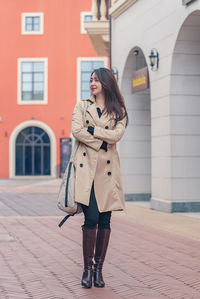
<point x="66" y="195"/>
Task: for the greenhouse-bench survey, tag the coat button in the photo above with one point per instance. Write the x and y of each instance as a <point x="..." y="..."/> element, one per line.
<point x="109" y="173"/>
<point x="108" y="161"/>
<point x="84" y="154"/>
<point x="81" y="165"/>
<point x="87" y="121"/>
<point x="106" y="127"/>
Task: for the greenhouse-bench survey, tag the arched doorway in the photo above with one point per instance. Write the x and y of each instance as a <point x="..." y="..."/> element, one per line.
<point x="45" y="137"/>
<point x="185" y="117"/>
<point x="32" y="152"/>
<point x="135" y="147"/>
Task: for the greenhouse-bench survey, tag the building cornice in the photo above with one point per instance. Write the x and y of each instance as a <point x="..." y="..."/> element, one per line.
<point x="120" y="6"/>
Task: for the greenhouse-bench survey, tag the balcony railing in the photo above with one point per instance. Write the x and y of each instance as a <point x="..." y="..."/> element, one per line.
<point x="99" y="10"/>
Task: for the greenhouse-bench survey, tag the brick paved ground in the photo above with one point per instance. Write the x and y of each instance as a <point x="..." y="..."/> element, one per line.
<point x="151" y="254"/>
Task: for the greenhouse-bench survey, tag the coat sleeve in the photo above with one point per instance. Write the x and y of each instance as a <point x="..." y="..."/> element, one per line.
<point x="111" y="136"/>
<point x="80" y="132"/>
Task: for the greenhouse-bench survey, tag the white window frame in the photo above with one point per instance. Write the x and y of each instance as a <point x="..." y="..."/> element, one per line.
<point x="83" y="14"/>
<point x="33" y="102"/>
<point x="32" y="14"/>
<point x="79" y="60"/>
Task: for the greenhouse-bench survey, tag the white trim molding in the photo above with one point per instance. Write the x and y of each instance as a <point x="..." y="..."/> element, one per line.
<point x="32" y="102"/>
<point x="32" y="14"/>
<point x="120" y="6"/>
<point x="83" y="14"/>
<point x="79" y="60"/>
<point x="12" y="151"/>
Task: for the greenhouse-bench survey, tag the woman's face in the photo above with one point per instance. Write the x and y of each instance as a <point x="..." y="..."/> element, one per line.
<point x="95" y="85"/>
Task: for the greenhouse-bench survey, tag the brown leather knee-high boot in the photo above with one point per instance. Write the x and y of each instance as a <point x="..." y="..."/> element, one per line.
<point x="89" y="238"/>
<point x="102" y="241"/>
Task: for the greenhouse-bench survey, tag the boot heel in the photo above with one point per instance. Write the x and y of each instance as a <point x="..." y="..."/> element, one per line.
<point x="98" y="279"/>
<point x="86" y="281"/>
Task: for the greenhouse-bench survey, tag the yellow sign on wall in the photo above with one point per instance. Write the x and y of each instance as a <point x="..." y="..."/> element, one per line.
<point x="140" y="80"/>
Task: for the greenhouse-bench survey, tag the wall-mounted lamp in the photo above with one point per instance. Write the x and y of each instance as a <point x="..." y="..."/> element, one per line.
<point x="154" y="59"/>
<point x="115" y="72"/>
<point x="136" y="52"/>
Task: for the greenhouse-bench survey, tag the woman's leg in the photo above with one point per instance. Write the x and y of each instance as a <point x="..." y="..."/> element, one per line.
<point x="91" y="214"/>
<point x="102" y="240"/>
<point x="104" y="220"/>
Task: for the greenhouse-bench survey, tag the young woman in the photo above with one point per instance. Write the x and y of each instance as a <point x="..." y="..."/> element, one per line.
<point x="98" y="180"/>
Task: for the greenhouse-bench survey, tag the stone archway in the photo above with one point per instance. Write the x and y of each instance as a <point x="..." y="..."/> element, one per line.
<point x="135" y="147"/>
<point x="185" y="117"/>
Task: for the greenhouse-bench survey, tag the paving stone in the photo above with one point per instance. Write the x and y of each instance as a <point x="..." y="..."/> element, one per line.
<point x="41" y="261"/>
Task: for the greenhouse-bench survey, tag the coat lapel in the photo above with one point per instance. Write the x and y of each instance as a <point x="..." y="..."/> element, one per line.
<point x="103" y="120"/>
<point x="93" y="113"/>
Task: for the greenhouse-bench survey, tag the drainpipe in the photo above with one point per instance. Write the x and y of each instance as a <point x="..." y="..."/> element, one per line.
<point x="110" y="34"/>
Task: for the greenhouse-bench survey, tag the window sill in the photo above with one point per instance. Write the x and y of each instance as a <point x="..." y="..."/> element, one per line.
<point x="33" y="102"/>
<point x="32" y="33"/>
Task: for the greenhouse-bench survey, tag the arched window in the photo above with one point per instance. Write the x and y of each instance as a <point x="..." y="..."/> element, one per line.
<point x="33" y="152"/>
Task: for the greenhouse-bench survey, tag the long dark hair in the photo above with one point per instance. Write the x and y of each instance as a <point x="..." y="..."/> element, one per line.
<point x="114" y="101"/>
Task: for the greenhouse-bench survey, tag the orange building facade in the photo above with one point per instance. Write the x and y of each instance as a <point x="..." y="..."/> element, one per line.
<point x="46" y="62"/>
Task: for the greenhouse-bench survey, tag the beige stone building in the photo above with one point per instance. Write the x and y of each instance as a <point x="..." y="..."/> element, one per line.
<point x="160" y="152"/>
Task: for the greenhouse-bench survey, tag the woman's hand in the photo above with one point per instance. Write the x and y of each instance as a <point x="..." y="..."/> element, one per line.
<point x="104" y="145"/>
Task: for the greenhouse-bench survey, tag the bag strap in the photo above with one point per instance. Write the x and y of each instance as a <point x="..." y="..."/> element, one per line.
<point x="76" y="142"/>
<point x="74" y="149"/>
<point x="84" y="111"/>
<point x="65" y="219"/>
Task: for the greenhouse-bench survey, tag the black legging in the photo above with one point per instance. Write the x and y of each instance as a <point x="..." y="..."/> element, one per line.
<point x="93" y="216"/>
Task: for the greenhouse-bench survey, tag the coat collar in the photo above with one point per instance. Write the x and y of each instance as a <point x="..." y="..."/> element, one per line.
<point x="93" y="112"/>
<point x="91" y="99"/>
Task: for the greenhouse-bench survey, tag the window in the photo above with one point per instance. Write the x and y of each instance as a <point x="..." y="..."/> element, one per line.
<point x="32" y="23"/>
<point x="32" y="81"/>
<point x="86" y="16"/>
<point x="85" y="67"/>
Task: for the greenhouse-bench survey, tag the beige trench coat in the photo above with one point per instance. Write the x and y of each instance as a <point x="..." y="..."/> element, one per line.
<point x="93" y="163"/>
